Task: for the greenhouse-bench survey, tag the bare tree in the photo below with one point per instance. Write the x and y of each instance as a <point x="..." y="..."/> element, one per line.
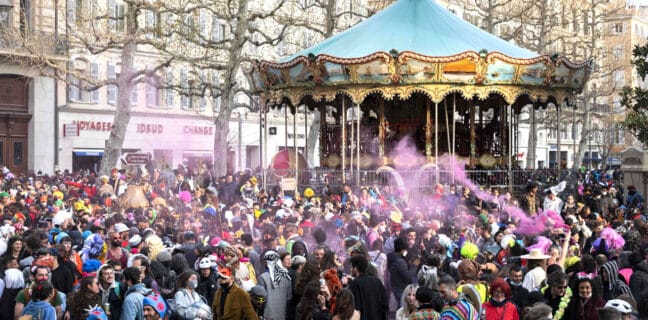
<point x="206" y="39"/>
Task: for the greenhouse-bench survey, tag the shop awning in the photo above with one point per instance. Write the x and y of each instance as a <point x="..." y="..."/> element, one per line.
<point x="88" y="152"/>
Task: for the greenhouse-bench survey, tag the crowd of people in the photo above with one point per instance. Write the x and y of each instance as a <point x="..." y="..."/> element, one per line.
<point x="193" y="246"/>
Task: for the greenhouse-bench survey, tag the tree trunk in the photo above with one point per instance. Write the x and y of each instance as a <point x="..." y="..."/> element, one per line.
<point x="582" y="144"/>
<point x="221" y="121"/>
<point x="115" y="142"/>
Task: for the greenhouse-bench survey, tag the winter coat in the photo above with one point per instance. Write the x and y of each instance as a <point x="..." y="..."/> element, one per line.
<point x="507" y="311"/>
<point x="401" y="273"/>
<point x="237" y="305"/>
<point x="207" y="286"/>
<point x="40" y="310"/>
<point x="577" y="310"/>
<point x="633" y="199"/>
<point x="185" y="301"/>
<point x="370" y="297"/>
<point x="133" y="307"/>
<point x="639" y="286"/>
<point x="277" y="298"/>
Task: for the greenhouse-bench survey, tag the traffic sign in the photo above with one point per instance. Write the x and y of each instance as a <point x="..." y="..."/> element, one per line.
<point x="136" y="158"/>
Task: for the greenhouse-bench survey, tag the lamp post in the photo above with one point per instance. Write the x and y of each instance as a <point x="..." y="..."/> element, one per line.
<point x="5" y="9"/>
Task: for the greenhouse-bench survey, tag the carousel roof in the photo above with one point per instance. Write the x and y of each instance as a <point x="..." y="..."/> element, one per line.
<point x="417" y="46"/>
<point x="420" y="26"/>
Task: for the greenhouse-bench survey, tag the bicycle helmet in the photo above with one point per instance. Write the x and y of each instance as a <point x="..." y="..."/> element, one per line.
<point x="619" y="305"/>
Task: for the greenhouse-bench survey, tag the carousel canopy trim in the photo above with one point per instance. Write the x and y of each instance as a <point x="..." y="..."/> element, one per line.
<point x="420" y="26"/>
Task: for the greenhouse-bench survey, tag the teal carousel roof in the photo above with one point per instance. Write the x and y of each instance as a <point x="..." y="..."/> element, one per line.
<point x="417" y="46"/>
<point x="420" y="26"/>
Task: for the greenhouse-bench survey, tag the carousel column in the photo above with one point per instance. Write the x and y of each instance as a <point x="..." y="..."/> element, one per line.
<point x="322" y="138"/>
<point x="264" y="150"/>
<point x="531" y="153"/>
<point x="558" y="142"/>
<point x="436" y="141"/>
<point x="306" y="134"/>
<point x="343" y="139"/>
<point x="428" y="131"/>
<point x="358" y="146"/>
<point x="381" y="131"/>
<point x="296" y="150"/>
<point x="473" y="134"/>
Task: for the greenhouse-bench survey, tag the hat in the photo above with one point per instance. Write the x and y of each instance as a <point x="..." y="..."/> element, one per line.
<point x="535" y="254"/>
<point x="225" y="272"/>
<point x="133" y="231"/>
<point x="135" y="240"/>
<point x="120" y="227"/>
<point x="258" y="291"/>
<point x="396" y="217"/>
<point x="204" y="263"/>
<point x="297" y="260"/>
<point x="189" y="235"/>
<point x="164" y="256"/>
<point x="97" y="313"/>
<point x="61" y="236"/>
<point x="157" y="303"/>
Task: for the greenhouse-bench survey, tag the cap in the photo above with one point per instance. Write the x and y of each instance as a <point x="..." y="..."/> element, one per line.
<point x="164" y="256"/>
<point x="120" y="227"/>
<point x="135" y="240"/>
<point x="258" y="291"/>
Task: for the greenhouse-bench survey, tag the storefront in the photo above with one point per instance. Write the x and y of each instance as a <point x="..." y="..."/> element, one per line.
<point x="170" y="141"/>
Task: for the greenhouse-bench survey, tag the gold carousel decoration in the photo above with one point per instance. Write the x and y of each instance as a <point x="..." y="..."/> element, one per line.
<point x="417" y="70"/>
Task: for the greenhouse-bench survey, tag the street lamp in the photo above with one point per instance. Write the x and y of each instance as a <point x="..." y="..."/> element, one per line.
<point x="5" y="9"/>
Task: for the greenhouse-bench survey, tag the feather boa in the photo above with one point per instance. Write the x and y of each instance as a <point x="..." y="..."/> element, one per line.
<point x="542" y="243"/>
<point x="612" y="238"/>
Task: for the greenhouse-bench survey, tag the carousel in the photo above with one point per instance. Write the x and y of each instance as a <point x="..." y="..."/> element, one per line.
<point x="416" y="71"/>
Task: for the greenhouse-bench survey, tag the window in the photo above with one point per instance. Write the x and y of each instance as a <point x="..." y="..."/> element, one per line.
<point x="619" y="78"/>
<point x="117" y="13"/>
<point x="152" y="93"/>
<point x="618" y="27"/>
<point x="112" y="89"/>
<point x="83" y="12"/>
<point x="134" y="94"/>
<point x="184" y="95"/>
<point x="617" y="51"/>
<point x="218" y="30"/>
<point x="152" y="24"/>
<point x="82" y="73"/>
<point x="169" y="91"/>
<point x="216" y="93"/>
<point x="202" y="24"/>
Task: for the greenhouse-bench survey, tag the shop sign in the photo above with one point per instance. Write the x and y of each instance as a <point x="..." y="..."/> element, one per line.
<point x="289" y="184"/>
<point x="71" y="130"/>
<point x="136" y="158"/>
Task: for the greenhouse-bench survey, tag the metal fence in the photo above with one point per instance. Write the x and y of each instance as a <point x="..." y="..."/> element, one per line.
<point x="425" y="180"/>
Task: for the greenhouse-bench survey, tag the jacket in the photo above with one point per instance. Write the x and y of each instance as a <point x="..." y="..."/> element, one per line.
<point x="115" y="296"/>
<point x="577" y="310"/>
<point x="370" y="297"/>
<point x="277" y="298"/>
<point x="237" y="305"/>
<point x="400" y="273"/>
<point x="615" y="286"/>
<point x="40" y="310"/>
<point x="639" y="286"/>
<point x="185" y="301"/>
<point x="507" y="311"/>
<point x="133" y="307"/>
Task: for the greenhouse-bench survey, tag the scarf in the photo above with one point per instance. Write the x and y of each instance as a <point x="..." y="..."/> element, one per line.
<point x="277" y="272"/>
<point x="498" y="304"/>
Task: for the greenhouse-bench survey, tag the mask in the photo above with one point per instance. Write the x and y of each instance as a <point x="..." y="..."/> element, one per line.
<point x="517" y="284"/>
<point x="381" y="229"/>
<point x="452" y="192"/>
<point x="193" y="284"/>
<point x="604" y="193"/>
<point x="404" y="253"/>
<point x="44" y="204"/>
